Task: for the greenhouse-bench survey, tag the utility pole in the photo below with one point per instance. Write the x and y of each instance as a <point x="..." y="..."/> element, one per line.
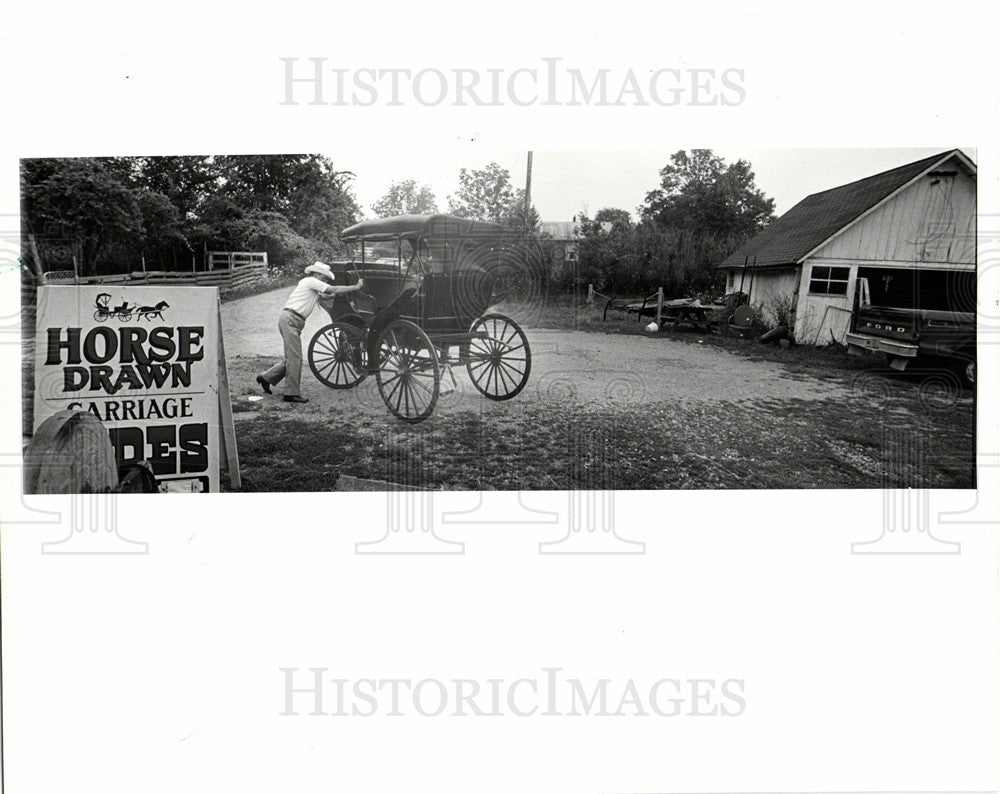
<point x="527" y="194"/>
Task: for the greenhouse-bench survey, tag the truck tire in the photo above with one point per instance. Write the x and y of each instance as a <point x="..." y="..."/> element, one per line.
<point x="969" y="374"/>
<point x="962" y="363"/>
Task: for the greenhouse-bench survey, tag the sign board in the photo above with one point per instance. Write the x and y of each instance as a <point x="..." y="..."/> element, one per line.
<point x="146" y="361"/>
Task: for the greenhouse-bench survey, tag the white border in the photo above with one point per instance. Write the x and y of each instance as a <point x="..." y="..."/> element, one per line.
<point x="159" y="671"/>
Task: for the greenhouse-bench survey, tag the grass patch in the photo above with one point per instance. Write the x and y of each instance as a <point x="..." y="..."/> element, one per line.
<point x="873" y="442"/>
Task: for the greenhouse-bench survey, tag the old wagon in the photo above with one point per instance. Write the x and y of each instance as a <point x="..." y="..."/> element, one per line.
<point x="428" y="283"/>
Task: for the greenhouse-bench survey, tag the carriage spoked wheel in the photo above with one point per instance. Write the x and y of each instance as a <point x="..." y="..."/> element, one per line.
<point x="337" y="355"/>
<point x="500" y="362"/>
<point x="409" y="371"/>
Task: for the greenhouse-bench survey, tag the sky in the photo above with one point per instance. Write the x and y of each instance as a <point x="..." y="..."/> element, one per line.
<point x="567" y="182"/>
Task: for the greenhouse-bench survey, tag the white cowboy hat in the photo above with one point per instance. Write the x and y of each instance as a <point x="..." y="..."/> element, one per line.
<point x="320" y="269"/>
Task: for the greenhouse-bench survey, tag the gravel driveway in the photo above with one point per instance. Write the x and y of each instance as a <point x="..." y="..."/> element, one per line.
<point x="566" y="365"/>
<point x="601" y="411"/>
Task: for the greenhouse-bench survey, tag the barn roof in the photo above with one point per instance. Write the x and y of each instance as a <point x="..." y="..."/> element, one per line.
<point x="821" y="216"/>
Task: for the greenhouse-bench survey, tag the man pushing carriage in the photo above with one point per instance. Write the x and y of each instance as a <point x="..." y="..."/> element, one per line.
<point x="318" y="282"/>
<point x="428" y="281"/>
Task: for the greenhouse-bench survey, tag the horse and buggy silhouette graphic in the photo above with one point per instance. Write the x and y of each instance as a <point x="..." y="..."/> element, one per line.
<point x="125" y="311"/>
<point x="429" y="284"/>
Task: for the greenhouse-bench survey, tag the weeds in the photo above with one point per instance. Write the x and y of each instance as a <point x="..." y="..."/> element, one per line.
<point x="786" y="444"/>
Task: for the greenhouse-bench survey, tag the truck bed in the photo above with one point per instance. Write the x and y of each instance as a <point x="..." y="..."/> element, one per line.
<point x="905" y="333"/>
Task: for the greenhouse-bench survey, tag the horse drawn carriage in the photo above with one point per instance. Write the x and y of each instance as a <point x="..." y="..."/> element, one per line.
<point x="125" y="311"/>
<point x="103" y="310"/>
<point x="428" y="282"/>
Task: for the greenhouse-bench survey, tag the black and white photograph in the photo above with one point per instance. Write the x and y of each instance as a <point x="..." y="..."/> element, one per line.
<point x="586" y="320"/>
<point x="552" y="398"/>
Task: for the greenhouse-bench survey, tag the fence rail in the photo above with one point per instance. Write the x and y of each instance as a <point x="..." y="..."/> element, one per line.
<point x="227" y="270"/>
<point x="229" y="260"/>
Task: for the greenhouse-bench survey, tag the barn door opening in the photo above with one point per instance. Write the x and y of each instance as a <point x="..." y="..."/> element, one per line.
<point x="938" y="290"/>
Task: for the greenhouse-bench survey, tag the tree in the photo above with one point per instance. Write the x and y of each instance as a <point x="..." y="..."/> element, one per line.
<point x="515" y="217"/>
<point x="488" y="195"/>
<point x="185" y="180"/>
<point x="224" y="224"/>
<point x="406" y="197"/>
<point x="637" y="258"/>
<point x="311" y="195"/>
<point x="292" y="206"/>
<point x="163" y="227"/>
<point x="112" y="211"/>
<point x="700" y="193"/>
<point x="613" y="215"/>
<point x="322" y="205"/>
<point x="83" y="199"/>
<point x="260" y="182"/>
<point x="483" y="194"/>
<point x="278" y="183"/>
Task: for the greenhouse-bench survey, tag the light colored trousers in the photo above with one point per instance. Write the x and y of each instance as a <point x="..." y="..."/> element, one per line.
<point x="290" y="367"/>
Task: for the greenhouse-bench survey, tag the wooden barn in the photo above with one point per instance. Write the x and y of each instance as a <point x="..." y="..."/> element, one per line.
<point x="907" y="236"/>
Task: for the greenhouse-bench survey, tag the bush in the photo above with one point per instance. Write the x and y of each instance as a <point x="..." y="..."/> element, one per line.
<point x="778" y="310"/>
<point x="637" y="259"/>
<point x="274" y="278"/>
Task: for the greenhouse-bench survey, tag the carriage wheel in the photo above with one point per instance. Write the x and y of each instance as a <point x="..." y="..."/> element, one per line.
<point x="101" y="316"/>
<point x="499" y="365"/>
<point x="337" y="355"/>
<point x="409" y="372"/>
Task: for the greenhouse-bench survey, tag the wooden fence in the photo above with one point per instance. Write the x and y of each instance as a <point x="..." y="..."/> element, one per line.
<point x="230" y="260"/>
<point x="226" y="270"/>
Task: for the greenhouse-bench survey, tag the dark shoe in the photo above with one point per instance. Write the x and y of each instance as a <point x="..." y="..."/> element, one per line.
<point x="264" y="384"/>
<point x="294" y="398"/>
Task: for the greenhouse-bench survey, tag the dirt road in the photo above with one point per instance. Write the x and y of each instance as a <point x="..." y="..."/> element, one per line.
<point x="602" y="410"/>
<point x="566" y="365"/>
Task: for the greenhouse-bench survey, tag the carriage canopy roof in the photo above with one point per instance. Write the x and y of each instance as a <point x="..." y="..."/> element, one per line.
<point x="415" y="226"/>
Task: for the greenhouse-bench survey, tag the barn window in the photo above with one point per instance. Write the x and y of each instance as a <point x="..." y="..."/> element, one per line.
<point x="828" y="280"/>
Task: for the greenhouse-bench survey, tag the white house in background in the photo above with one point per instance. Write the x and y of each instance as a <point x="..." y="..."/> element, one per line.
<point x="911" y="232"/>
<point x="568" y="234"/>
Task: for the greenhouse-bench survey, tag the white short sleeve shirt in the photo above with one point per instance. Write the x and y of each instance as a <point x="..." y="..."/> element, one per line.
<point x="305" y="295"/>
